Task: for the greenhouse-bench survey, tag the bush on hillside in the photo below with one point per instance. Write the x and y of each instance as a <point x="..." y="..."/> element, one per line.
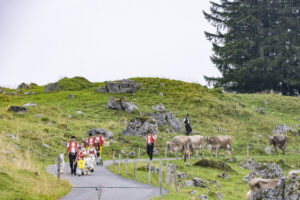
<point x="76" y="83"/>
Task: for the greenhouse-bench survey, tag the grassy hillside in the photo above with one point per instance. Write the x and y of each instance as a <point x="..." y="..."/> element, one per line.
<point x="55" y="119"/>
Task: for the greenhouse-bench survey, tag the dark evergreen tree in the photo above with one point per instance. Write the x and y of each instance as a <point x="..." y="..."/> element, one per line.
<point x="256" y="45"/>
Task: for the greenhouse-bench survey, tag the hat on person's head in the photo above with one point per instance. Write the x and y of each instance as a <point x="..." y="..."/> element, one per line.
<point x="73" y="137"/>
<point x="188" y="114"/>
<point x="90" y="134"/>
<point x="98" y="133"/>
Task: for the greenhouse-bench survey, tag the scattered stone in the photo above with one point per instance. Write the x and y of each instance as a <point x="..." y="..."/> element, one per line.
<point x="223" y="175"/>
<point x="215" y="183"/>
<point x="121" y="105"/>
<point x="51" y="87"/>
<point x="200" y="182"/>
<point x="123" y="86"/>
<point x="29" y="105"/>
<point x="159" y="108"/>
<point x="203" y="197"/>
<point x="268" y="150"/>
<point x="187" y="183"/>
<point x="79" y="112"/>
<point x="161" y="94"/>
<point x="11" y="136"/>
<point x="283" y="129"/>
<point x="113" y="104"/>
<point x="37" y="115"/>
<point x="168" y="119"/>
<point x="101" y="89"/>
<point x="266" y="170"/>
<point x="219" y="195"/>
<point x="23" y="86"/>
<point x="182" y="175"/>
<point x="193" y="192"/>
<point x="71" y="96"/>
<point x="250" y="164"/>
<point x="214" y="164"/>
<point x="140" y="125"/>
<point x="46" y="146"/>
<point x="260" y="110"/>
<point x="122" y="152"/>
<point x="105" y="133"/>
<point x="29" y="93"/>
<point x="294" y="172"/>
<point x="129" y="107"/>
<point x="17" y="109"/>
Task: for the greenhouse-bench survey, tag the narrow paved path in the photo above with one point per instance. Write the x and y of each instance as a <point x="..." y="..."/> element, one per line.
<point x="114" y="186"/>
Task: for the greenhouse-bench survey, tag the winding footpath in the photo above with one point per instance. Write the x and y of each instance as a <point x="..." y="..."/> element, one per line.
<point x="114" y="187"/>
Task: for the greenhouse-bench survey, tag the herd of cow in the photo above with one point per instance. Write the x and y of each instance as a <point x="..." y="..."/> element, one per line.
<point x="188" y="144"/>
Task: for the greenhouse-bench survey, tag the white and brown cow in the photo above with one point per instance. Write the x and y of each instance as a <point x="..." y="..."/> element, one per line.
<point x="260" y="184"/>
<point x="222" y="141"/>
<point x="197" y="142"/>
<point x="176" y="144"/>
<point x="278" y="141"/>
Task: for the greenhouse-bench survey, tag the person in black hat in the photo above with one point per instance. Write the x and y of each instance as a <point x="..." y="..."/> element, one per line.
<point x="72" y="150"/>
<point x="187" y="125"/>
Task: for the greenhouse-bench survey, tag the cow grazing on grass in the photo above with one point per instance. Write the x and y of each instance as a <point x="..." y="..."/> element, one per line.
<point x="278" y="141"/>
<point x="197" y="142"/>
<point x="222" y="141"/>
<point x="176" y="144"/>
<point x="260" y="184"/>
<point x="187" y="151"/>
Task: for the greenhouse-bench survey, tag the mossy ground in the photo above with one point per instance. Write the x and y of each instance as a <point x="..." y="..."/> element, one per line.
<point x="208" y="108"/>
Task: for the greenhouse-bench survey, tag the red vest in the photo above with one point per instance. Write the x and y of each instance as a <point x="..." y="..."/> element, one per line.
<point x="100" y="140"/>
<point x="91" y="151"/>
<point x="151" y="139"/>
<point x="80" y="154"/>
<point x="89" y="141"/>
<point x="70" y="147"/>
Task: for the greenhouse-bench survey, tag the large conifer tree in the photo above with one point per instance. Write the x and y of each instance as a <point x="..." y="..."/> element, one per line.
<point x="256" y="44"/>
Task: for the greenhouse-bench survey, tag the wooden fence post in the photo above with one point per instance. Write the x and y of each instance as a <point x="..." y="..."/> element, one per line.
<point x="247" y="150"/>
<point x="165" y="153"/>
<point x="175" y="178"/>
<point x="217" y="151"/>
<point x="139" y="153"/>
<point x="160" y="178"/>
<point x="58" y="168"/>
<point x="168" y="174"/>
<point x="149" y="174"/>
<point x="126" y="163"/>
<point x="99" y="192"/>
<point x="120" y="157"/>
<point x="134" y="168"/>
<point x="114" y="158"/>
<point x="202" y="153"/>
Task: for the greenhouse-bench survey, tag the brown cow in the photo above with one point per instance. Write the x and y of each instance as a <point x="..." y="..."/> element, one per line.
<point x="187" y="151"/>
<point x="278" y="141"/>
<point x="176" y="144"/>
<point x="223" y="141"/>
<point x="258" y="184"/>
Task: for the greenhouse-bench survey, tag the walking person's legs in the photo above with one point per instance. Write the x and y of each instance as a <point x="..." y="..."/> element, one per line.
<point x="151" y="151"/>
<point x="71" y="163"/>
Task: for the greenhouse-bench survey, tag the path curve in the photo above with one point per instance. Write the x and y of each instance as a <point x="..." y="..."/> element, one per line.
<point x="84" y="186"/>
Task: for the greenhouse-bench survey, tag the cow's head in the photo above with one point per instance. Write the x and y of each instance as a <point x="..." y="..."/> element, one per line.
<point x="207" y="141"/>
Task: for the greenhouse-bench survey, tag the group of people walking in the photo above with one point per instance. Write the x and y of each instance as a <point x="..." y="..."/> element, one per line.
<point x="89" y="148"/>
<point x="92" y="147"/>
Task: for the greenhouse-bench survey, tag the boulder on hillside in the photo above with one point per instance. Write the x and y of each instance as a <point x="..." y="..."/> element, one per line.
<point x="139" y="127"/>
<point x="17" y="109"/>
<point x="250" y="164"/>
<point x="51" y="87"/>
<point x="121" y="105"/>
<point x="159" y="108"/>
<point x="122" y="86"/>
<point x="266" y="171"/>
<point x="283" y="129"/>
<point x="102" y="131"/>
<point x="29" y="105"/>
<point x="23" y="86"/>
<point x="286" y="189"/>
<point x="168" y="119"/>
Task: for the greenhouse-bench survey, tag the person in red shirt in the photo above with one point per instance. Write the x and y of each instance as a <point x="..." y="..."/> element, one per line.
<point x="72" y="150"/>
<point x="150" y="142"/>
<point x="98" y="141"/>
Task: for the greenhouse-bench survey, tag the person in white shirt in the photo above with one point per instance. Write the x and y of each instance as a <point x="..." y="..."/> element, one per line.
<point x="72" y="150"/>
<point x="187" y="125"/>
<point x="150" y="142"/>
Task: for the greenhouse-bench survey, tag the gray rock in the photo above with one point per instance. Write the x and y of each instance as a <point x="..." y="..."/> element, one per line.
<point x="113" y="104"/>
<point x="101" y="89"/>
<point x="189" y="183"/>
<point x="294" y="172"/>
<point x="219" y="195"/>
<point x="215" y="183"/>
<point x="11" y="136"/>
<point x="266" y="170"/>
<point x="159" y="108"/>
<point x="23" y="86"/>
<point x="122" y="152"/>
<point x="29" y="93"/>
<point x="260" y="110"/>
<point x="129" y="107"/>
<point x="280" y="129"/>
<point x="193" y="192"/>
<point x="46" y="146"/>
<point x="161" y="94"/>
<point x="268" y="150"/>
<point x="223" y="175"/>
<point x="140" y="126"/>
<point x="200" y="182"/>
<point x="113" y="87"/>
<point x="168" y="119"/>
<point x="29" y="105"/>
<point x="250" y="164"/>
<point x="51" y="87"/>
<point x="17" y="109"/>
<point x="203" y="197"/>
<point x="182" y="175"/>
<point x="123" y="86"/>
<point x="79" y="112"/>
<point x="71" y="96"/>
<point x="4" y="92"/>
<point x="105" y="133"/>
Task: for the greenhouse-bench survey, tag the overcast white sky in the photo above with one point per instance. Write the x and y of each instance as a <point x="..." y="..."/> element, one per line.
<point x="44" y="40"/>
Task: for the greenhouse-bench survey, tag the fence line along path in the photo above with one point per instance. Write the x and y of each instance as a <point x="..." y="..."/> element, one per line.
<point x="113" y="186"/>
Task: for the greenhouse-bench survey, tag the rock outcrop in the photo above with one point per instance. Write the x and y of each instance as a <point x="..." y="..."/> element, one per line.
<point x="139" y="127"/>
<point x="51" y="87"/>
<point x="121" y="105"/>
<point x="168" y="119"/>
<point x="17" y="109"/>
<point x="102" y="131"/>
<point x="23" y="86"/>
<point x="283" y="129"/>
<point x="122" y="86"/>
<point x="266" y="171"/>
<point x="159" y="108"/>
